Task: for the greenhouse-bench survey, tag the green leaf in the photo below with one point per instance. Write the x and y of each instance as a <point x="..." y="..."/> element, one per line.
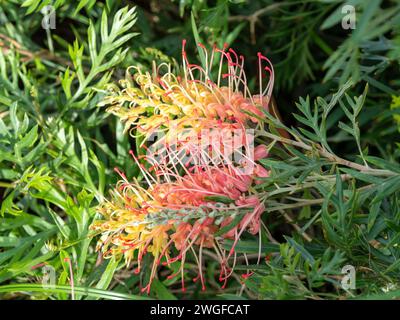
<point x="90" y="292"/>
<point x="108" y="274"/>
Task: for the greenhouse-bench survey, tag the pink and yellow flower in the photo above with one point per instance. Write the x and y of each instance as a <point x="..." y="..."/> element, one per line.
<point x="190" y="197"/>
<point x="181" y="213"/>
<point x="161" y="100"/>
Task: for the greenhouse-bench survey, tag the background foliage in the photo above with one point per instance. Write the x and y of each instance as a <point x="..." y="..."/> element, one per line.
<point x="333" y="196"/>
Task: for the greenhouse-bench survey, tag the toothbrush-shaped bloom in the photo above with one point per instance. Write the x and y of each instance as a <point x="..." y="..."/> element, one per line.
<point x="175" y="213"/>
<point x="156" y="102"/>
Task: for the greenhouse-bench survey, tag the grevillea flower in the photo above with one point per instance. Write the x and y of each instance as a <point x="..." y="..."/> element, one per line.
<point x="186" y="111"/>
<point x="191" y="195"/>
<point x="199" y="208"/>
<point x="162" y="100"/>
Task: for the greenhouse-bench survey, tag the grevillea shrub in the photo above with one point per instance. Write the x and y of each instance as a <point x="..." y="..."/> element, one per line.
<point x="127" y="169"/>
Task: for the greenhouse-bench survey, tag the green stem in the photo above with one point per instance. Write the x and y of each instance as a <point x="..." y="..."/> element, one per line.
<point x="324" y="153"/>
<point x="6" y="185"/>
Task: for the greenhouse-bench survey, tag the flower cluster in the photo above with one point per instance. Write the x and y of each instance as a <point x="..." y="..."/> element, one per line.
<point x="192" y="193"/>
<point x="160" y="101"/>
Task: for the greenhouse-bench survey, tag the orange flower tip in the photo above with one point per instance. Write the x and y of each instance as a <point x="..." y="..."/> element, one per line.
<point x="183" y="48"/>
<point x="183" y="290"/>
<point x="66" y="259"/>
<point x="171" y="276"/>
<point x="137" y="271"/>
<point x="145" y="289"/>
<point x="164" y="263"/>
<point x="233" y="52"/>
<point x="223" y="287"/>
<point x="203" y="288"/>
<point x="38" y="265"/>
<point x="201" y="45"/>
<point x="247" y="275"/>
<point x="262" y="57"/>
<point x="120" y="172"/>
